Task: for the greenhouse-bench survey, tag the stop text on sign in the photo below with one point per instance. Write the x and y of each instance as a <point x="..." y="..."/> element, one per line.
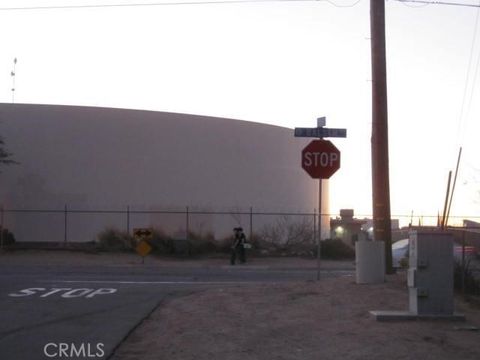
<point x="322" y="159"/>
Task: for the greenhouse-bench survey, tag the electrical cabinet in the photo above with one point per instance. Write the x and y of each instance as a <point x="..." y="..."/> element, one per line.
<point x="430" y="273"/>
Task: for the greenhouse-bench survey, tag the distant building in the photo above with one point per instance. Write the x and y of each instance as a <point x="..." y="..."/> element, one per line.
<point x="470" y="234"/>
<point x="472" y="225"/>
<point x="347" y="228"/>
<point x="368" y="226"/>
<point x="88" y="158"/>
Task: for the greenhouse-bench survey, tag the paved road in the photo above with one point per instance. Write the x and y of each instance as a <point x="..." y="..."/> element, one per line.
<point x="78" y="312"/>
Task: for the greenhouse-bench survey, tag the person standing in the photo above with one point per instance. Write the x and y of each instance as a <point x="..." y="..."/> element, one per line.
<point x="238" y="246"/>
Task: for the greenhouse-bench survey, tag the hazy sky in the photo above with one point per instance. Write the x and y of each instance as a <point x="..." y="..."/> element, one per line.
<point x="284" y="63"/>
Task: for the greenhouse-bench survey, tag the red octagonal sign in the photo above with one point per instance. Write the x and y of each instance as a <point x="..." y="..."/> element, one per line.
<point x="320" y="159"/>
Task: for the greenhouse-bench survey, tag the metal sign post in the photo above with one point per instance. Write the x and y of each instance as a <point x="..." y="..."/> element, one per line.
<point x="319" y="248"/>
<point x="1" y="228"/>
<point x="320" y="159"/>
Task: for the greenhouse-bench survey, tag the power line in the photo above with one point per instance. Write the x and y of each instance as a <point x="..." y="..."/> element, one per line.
<point x="467" y="82"/>
<point x="171" y="3"/>
<point x="465" y="107"/>
<point x="209" y="2"/>
<point x="474" y="81"/>
<point x="425" y="3"/>
<point x="343" y="6"/>
<point x="407" y="4"/>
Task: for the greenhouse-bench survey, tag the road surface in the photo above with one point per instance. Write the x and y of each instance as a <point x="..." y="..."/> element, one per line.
<point x="84" y="312"/>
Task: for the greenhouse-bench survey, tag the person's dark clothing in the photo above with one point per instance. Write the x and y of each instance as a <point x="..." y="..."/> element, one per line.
<point x="238" y="248"/>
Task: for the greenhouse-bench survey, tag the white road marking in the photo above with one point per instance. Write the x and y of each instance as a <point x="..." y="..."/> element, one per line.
<point x="155" y="282"/>
<point x="245" y="267"/>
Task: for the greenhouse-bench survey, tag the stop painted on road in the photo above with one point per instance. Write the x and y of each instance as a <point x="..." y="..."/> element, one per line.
<point x="67" y="293"/>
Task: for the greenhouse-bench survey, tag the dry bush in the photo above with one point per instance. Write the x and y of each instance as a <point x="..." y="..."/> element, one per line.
<point x="287" y="235"/>
<point x="112" y="239"/>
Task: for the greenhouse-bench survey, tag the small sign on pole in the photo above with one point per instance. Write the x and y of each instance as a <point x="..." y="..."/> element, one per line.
<point x="142" y="236"/>
<point x="143" y="248"/>
<point x="321" y="121"/>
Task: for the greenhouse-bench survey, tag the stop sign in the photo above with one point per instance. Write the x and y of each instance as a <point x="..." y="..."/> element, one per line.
<point x="320" y="159"/>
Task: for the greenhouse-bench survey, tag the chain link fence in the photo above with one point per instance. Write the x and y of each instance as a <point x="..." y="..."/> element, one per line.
<point x="69" y="225"/>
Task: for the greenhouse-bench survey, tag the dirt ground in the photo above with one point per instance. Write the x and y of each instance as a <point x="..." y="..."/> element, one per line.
<point x="328" y="319"/>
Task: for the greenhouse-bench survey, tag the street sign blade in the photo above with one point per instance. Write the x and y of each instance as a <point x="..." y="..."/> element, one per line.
<point x="331" y="132"/>
<point x="320" y="132"/>
<point x="307" y="132"/>
<point x="321" y="121"/>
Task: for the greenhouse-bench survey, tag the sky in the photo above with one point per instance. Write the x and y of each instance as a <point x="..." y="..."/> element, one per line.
<point x="284" y="63"/>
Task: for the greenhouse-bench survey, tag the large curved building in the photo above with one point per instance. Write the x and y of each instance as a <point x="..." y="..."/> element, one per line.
<point x="89" y="158"/>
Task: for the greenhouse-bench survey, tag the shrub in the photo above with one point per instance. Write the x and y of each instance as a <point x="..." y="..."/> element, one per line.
<point x="201" y="243"/>
<point x="162" y="243"/>
<point x="224" y="245"/>
<point x="336" y="249"/>
<point x="403" y="263"/>
<point x="287" y="236"/>
<point x="197" y="244"/>
<point x="470" y="282"/>
<point x="115" y="240"/>
<point x="287" y="233"/>
<point x="8" y="237"/>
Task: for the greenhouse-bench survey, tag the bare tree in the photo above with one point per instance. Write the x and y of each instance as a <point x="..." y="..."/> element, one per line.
<point x="287" y="232"/>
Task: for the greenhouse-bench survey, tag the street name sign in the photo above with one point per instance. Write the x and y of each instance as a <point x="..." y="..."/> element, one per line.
<point x="320" y="132"/>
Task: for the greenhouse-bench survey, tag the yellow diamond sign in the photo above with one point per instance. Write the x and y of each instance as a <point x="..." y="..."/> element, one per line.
<point x="143" y="248"/>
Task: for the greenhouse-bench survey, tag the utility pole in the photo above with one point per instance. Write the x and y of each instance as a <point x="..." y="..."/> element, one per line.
<point x="382" y="228"/>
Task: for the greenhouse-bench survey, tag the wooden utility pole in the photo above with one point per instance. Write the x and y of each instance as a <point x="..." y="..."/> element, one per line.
<point x="382" y="228"/>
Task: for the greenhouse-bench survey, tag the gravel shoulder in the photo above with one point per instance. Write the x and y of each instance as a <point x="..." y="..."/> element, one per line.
<point x="328" y="319"/>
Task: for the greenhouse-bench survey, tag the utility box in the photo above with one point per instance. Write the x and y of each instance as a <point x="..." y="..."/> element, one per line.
<point x="430" y="273"/>
<point x="370" y="262"/>
<point x="430" y="280"/>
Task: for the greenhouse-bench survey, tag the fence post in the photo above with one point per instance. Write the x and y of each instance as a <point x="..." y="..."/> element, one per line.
<point x="128" y="219"/>
<point x="251" y="223"/>
<point x="463" y="263"/>
<point x="1" y="230"/>
<point x="65" y="225"/>
<point x="187" y="224"/>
